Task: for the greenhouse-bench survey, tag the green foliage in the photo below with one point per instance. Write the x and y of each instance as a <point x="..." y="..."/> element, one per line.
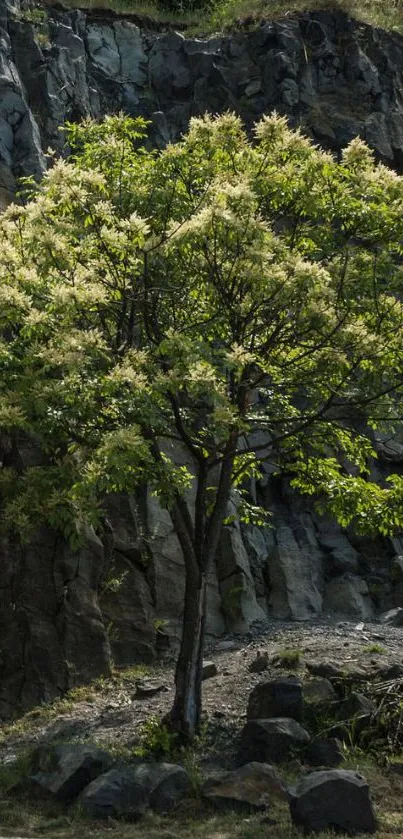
<point x="237" y="299"/>
<point x="157" y="740"/>
<point x="374" y="648"/>
<point x="289" y="658"/>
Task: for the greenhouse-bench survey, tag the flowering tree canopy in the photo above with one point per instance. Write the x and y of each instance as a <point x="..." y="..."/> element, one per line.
<point x="242" y="297"/>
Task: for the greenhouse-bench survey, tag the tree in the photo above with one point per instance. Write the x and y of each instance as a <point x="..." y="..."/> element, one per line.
<point x="240" y="297"/>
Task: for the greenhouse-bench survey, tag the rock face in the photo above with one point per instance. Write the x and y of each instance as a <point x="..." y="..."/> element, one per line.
<point x="335" y="77"/>
<point x="64" y="616"/>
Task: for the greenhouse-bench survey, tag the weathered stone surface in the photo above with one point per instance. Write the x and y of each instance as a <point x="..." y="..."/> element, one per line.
<point x="237" y="586"/>
<point x="318" y="691"/>
<point x="336" y="799"/>
<point x="295" y="571"/>
<point x="393" y="618"/>
<point x="348" y="595"/>
<point x="260" y="663"/>
<point x="276" y="698"/>
<point x="146" y="688"/>
<point x="271" y="741"/>
<point x="209" y="670"/>
<point x="355" y="713"/>
<point x="126" y="792"/>
<point x="252" y="787"/>
<point x="324" y="752"/>
<point x="64" y="771"/>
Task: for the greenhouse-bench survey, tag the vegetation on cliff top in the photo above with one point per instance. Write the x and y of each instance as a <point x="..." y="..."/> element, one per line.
<point x="212" y="15"/>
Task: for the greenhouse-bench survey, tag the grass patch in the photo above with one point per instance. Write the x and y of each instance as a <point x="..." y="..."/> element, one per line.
<point x="378" y="649"/>
<point x="193" y="819"/>
<point x="41" y="715"/>
<point x="289" y="658"/>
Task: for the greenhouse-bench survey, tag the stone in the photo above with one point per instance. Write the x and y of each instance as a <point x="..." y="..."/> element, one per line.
<point x="127" y="792"/>
<point x="318" y="691"/>
<point x="393" y="618"/>
<point x="146" y="688"/>
<point x="64" y="771"/>
<point x="340" y="556"/>
<point x="250" y="788"/>
<point x="355" y="712"/>
<point x="335" y="799"/>
<point x="260" y="663"/>
<point x="295" y="571"/>
<point x="326" y="751"/>
<point x="276" y="698"/>
<point x="348" y="595"/>
<point x="209" y="670"/>
<point x="271" y="740"/>
<point x="324" y="669"/>
<point x="237" y="587"/>
<point x="390" y="671"/>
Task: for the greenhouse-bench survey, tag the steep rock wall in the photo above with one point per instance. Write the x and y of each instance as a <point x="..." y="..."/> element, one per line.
<point x="64" y="616"/>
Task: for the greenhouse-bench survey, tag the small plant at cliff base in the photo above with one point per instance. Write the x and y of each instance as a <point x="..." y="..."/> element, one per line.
<point x="222" y="302"/>
<point x="289" y="658"/>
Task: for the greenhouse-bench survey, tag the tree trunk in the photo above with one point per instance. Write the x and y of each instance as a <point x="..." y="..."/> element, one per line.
<point x="184" y="716"/>
<point x="199" y="546"/>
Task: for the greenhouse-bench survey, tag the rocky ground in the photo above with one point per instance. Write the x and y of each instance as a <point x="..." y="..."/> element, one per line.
<point x="116" y="714"/>
<point x="114" y="711"/>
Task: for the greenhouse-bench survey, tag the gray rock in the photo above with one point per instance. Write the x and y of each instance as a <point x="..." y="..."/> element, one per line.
<point x="356" y="713"/>
<point x="260" y="663"/>
<point x="272" y="740"/>
<point x="64" y="771"/>
<point x="348" y="595"/>
<point x="324" y="752"/>
<point x="295" y="572"/>
<point x="393" y="618"/>
<point x="318" y="691"/>
<point x="276" y="698"/>
<point x="237" y="586"/>
<point x="127" y="792"/>
<point x="250" y="788"/>
<point x="336" y="799"/>
<point x="146" y="688"/>
<point x="209" y="670"/>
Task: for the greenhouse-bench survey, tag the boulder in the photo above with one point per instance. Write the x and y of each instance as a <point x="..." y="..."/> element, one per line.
<point x="271" y="740"/>
<point x="260" y="663"/>
<point x="64" y="771"/>
<point x="209" y="670"/>
<point x="126" y="792"/>
<point x="335" y="799"/>
<point x="324" y="752"/>
<point x="355" y="713"/>
<point x="276" y="698"/>
<point x="252" y="787"/>
<point x="318" y="691"/>
<point x="393" y="618"/>
<point x="147" y="688"/>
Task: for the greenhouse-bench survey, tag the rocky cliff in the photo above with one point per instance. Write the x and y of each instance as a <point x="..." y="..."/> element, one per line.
<point x="63" y="615"/>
